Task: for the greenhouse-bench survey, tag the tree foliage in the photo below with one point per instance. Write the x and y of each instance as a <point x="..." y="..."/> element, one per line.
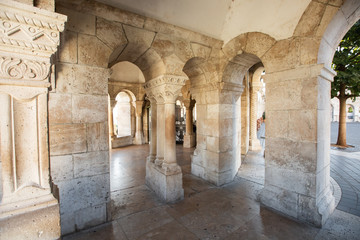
<point x="346" y="63"/>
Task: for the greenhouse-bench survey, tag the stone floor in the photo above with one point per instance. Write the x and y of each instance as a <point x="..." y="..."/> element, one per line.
<point x="207" y="212"/>
<point x="345" y="169"/>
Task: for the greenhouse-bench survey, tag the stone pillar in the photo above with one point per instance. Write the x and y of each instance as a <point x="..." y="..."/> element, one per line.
<point x="189" y="138"/>
<point x="254" y="141"/>
<point x="245" y="118"/>
<point x="111" y="118"/>
<point x="164" y="175"/>
<point x="217" y="154"/>
<point x="25" y="59"/>
<point x="297" y="171"/>
<point x="139" y="135"/>
<point x="153" y="140"/>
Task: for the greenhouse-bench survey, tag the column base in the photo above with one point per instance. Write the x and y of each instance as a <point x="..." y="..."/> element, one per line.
<point x="189" y="141"/>
<point x="165" y="181"/>
<point x="139" y="139"/>
<point x="33" y="219"/>
<point x="297" y="206"/>
<point x="199" y="169"/>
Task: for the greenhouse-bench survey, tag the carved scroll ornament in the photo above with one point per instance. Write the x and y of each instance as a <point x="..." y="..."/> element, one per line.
<point x="15" y="68"/>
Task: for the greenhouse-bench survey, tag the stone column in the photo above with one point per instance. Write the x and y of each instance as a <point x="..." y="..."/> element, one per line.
<point x="111" y="118"/>
<point x="153" y="140"/>
<point x="25" y="62"/>
<point x="164" y="175"/>
<point x="189" y="138"/>
<point x="245" y="118"/>
<point x="254" y="141"/>
<point x="297" y="171"/>
<point x="139" y="135"/>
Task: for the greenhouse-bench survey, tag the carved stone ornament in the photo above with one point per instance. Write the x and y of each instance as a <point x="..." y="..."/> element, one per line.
<point x="15" y="68"/>
<point x="165" y="88"/>
<point x="29" y="28"/>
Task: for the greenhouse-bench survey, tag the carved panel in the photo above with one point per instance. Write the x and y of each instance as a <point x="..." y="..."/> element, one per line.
<point x="27" y="27"/>
<point x="16" y="68"/>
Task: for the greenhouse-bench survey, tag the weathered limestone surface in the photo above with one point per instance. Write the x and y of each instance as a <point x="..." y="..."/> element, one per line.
<point x="27" y="207"/>
<point x="163" y="174"/>
<point x="97" y="37"/>
<point x="217" y="154"/>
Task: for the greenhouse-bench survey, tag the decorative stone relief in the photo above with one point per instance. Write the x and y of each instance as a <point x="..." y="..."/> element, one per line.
<point x="15" y="68"/>
<point x="28" y="38"/>
<point x="27" y="28"/>
<point x="165" y="88"/>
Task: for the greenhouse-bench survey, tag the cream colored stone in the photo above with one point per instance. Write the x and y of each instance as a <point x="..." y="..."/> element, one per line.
<point x="62" y="167"/>
<point x="273" y="128"/>
<point x="287" y="154"/>
<point x="96" y="55"/>
<point x="227" y="127"/>
<point x="310" y="20"/>
<point x="233" y="47"/>
<point x="226" y="144"/>
<point x="99" y="162"/>
<point x="308" y="50"/>
<point x="89" y="108"/>
<point x="59" y="108"/>
<point x="258" y="43"/>
<point x="303" y="125"/>
<point x="43" y="222"/>
<point x="308" y="98"/>
<point x="200" y="50"/>
<point x="139" y="41"/>
<point x="90" y="80"/>
<point x="67" y="139"/>
<point x="212" y="111"/>
<point x="112" y="14"/>
<point x="212" y="144"/>
<point x="78" y="22"/>
<point x="164" y="45"/>
<point x="211" y="127"/>
<point x="97" y="136"/>
<point x="329" y="13"/>
<point x="111" y="33"/>
<point x="68" y="47"/>
<point x="73" y="78"/>
<point x="283" y="55"/>
<point x="283" y="95"/>
<point x="45" y="4"/>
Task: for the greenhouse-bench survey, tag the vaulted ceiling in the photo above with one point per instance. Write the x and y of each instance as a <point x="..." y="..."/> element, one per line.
<point x="222" y="19"/>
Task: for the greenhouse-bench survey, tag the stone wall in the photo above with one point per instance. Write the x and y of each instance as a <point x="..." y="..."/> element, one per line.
<point x="79" y="145"/>
<point x="96" y="38"/>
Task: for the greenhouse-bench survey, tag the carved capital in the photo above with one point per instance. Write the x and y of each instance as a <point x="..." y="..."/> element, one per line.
<point x="24" y="28"/>
<point x="165" y="88"/>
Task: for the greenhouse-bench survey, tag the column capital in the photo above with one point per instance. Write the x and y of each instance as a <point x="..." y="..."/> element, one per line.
<point x="189" y="103"/>
<point x="28" y="38"/>
<point x="165" y="88"/>
<point x="30" y="30"/>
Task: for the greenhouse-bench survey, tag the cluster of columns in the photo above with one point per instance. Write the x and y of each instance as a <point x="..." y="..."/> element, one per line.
<point x="163" y="174"/>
